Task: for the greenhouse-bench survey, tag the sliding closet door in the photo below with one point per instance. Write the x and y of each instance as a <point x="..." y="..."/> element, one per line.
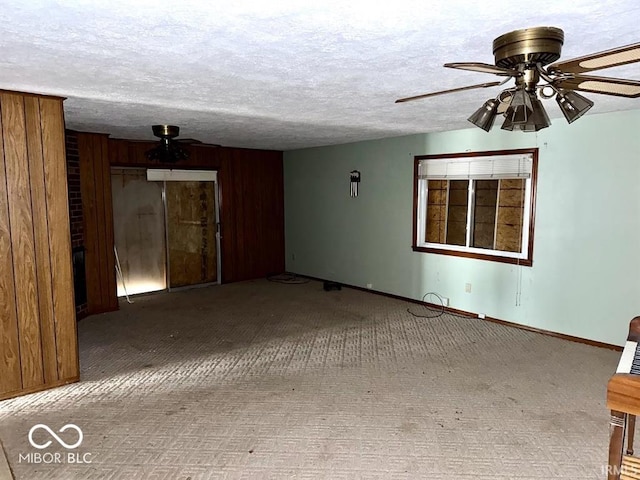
<point x="139" y="232"/>
<point x="191" y="232"/>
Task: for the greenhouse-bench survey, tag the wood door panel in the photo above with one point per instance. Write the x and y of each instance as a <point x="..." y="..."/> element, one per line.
<point x="21" y="219"/>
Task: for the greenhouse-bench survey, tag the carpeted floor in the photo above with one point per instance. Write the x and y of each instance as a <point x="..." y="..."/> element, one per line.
<point x="269" y="381"/>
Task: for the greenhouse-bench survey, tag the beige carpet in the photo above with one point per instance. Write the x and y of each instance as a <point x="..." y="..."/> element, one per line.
<point x="268" y="381"/>
<point x="5" y="471"/>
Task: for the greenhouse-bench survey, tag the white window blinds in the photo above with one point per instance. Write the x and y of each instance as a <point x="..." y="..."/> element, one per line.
<point x="494" y="166"/>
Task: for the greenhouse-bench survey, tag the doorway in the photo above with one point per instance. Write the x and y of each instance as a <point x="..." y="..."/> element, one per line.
<point x="166" y="225"/>
<point x="191" y="233"/>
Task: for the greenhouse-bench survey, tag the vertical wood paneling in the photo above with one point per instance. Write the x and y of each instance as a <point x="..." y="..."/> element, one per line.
<point x="10" y="373"/>
<point x="97" y="206"/>
<point x="124" y="153"/>
<point x="87" y="191"/>
<point x="24" y="261"/>
<point x="252" y="206"/>
<point x="41" y="234"/>
<point x="52" y="124"/>
<point x="227" y="206"/>
<point x="99" y="224"/>
<point x="111" y="299"/>
<point x="38" y="339"/>
<point x="276" y="230"/>
<point x="118" y="153"/>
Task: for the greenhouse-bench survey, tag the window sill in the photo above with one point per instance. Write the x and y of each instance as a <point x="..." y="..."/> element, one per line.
<point x="477" y="256"/>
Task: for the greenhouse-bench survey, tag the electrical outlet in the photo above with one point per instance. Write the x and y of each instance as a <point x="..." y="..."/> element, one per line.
<point x="369" y="286"/>
<point x="445" y="301"/>
<point x="481" y="315"/>
<point x="467" y="287"/>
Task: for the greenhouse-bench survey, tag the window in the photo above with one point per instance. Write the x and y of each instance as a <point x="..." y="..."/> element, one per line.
<point x="478" y="205"/>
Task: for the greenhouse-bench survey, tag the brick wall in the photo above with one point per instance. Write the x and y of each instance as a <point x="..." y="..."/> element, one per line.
<point x="75" y="200"/>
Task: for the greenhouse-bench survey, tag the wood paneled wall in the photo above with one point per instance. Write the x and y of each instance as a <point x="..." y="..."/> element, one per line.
<point x="252" y="211"/>
<point x="97" y="209"/>
<point x="125" y="153"/>
<point x="38" y="339"/>
<point x="251" y="202"/>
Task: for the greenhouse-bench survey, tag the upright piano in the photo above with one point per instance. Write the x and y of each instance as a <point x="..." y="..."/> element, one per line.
<point x="623" y="399"/>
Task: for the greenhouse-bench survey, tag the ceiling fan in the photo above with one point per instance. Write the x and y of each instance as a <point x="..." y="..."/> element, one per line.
<point x="524" y="55"/>
<point x="170" y="149"/>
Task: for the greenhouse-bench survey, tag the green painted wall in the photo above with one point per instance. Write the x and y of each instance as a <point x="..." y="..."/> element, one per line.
<point x="585" y="278"/>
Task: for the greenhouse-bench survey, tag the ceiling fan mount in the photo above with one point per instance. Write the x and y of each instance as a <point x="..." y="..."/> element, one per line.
<point x="527" y="56"/>
<point x="529" y="46"/>
<point x="165" y="131"/>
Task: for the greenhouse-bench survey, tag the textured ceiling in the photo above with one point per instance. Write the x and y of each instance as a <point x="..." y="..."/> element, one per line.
<point x="283" y="74"/>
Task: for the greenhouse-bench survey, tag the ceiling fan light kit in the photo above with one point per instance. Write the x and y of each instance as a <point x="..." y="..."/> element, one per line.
<point x="573" y="105"/>
<point x="524" y="55"/>
<point x="525" y="113"/>
<point x="485" y="115"/>
<point x="539" y="118"/>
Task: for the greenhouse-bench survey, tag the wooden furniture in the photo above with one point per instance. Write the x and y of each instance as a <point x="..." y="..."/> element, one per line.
<point x="623" y="399"/>
<point x="38" y="340"/>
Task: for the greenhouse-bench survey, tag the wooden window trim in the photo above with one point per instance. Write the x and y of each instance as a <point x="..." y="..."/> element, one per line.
<point x="528" y="262"/>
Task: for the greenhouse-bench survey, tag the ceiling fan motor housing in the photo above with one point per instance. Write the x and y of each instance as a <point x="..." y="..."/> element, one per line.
<point x="165" y="131"/>
<point x="528" y="46"/>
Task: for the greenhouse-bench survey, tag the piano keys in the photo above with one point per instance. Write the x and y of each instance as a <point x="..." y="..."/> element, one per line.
<point x="630" y="359"/>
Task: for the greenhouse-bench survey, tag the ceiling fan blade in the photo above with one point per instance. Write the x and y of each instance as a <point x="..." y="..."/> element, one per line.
<point x="597" y="61"/>
<point x="453" y="90"/>
<point x="484" y="68"/>
<point x="620" y="87"/>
